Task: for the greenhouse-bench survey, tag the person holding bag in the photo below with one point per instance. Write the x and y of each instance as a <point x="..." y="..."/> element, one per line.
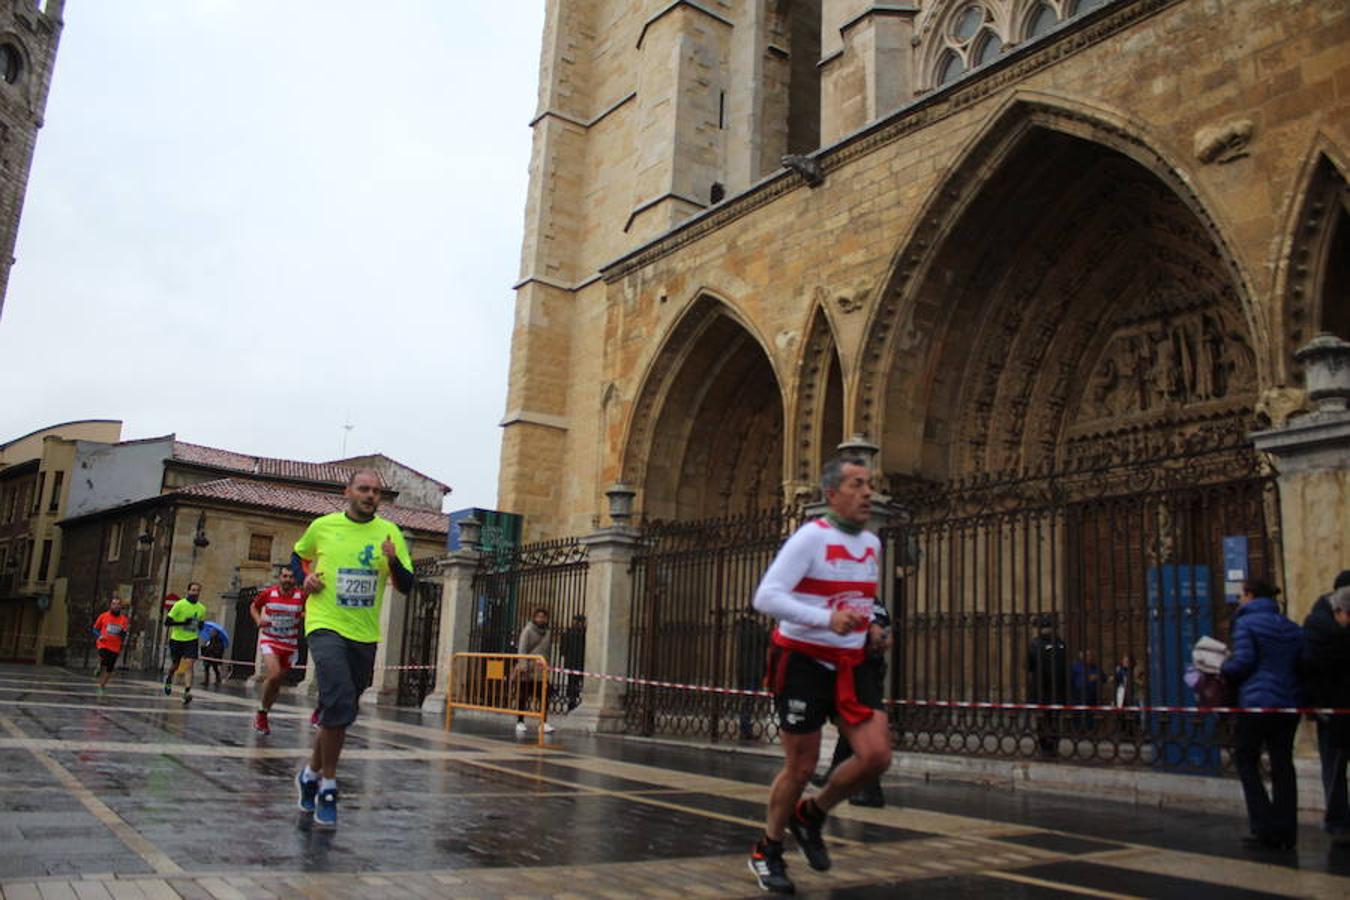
<point x="1263" y="665"/>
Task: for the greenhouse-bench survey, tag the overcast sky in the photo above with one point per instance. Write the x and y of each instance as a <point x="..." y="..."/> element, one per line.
<point x="249" y="220"/>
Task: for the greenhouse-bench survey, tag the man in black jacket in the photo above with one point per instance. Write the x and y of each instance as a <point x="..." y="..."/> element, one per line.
<point x="1047" y="681"/>
<point x="1326" y="677"/>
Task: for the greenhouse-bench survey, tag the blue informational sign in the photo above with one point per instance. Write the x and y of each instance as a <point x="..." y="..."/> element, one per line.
<point x="1234" y="566"/>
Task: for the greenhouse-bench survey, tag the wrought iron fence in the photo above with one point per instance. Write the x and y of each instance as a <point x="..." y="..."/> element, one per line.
<point x="421" y="635"/>
<point x="692" y="623"/>
<point x="512" y="582"/>
<point x="1088" y="587"/>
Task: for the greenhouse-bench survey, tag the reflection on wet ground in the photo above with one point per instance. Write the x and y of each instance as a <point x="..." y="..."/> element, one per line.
<point x="134" y="787"/>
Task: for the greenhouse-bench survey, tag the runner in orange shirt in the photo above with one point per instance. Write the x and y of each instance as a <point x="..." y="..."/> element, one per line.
<point x="112" y="626"/>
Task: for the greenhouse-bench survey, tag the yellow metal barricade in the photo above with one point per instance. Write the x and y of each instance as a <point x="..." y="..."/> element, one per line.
<point x="510" y="683"/>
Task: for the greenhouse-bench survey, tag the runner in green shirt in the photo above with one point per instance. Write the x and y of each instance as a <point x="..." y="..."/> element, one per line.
<point x="186" y="616"/>
<point x="346" y="558"/>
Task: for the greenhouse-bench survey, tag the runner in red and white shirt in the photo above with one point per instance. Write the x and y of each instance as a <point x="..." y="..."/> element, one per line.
<point x="820" y="587"/>
<point x="279" y="611"/>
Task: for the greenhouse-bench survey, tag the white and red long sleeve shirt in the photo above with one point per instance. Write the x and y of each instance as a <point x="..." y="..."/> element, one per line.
<point x="285" y="612"/>
<point x="818" y="570"/>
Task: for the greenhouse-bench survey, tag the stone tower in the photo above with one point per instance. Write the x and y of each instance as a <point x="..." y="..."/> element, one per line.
<point x="29" y="33"/>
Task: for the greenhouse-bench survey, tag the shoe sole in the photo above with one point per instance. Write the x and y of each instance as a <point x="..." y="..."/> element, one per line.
<point x="325" y="826"/>
<point x="764" y="887"/>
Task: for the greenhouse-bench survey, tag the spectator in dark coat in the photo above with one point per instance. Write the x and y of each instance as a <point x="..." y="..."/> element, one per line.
<point x="573" y="647"/>
<point x="1266" y="651"/>
<point x="1326" y="674"/>
<point x="1047" y="681"/>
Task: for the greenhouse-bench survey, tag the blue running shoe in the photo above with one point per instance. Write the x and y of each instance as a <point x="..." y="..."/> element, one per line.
<point x="168" y="688"/>
<point x="325" y="811"/>
<point x="308" y="791"/>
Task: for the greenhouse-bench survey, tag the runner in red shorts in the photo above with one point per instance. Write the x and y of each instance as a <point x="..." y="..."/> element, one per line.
<point x="279" y="611"/>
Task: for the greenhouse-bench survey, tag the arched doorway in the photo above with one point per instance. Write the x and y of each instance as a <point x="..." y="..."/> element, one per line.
<point x="1076" y="424"/>
<point x="707" y="439"/>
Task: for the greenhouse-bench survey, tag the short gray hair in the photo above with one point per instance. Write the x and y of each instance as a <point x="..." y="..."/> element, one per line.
<point x="832" y="475"/>
<point x="1340" y="600"/>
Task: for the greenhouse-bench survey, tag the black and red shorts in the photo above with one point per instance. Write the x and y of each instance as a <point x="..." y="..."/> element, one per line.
<point x="803" y="689"/>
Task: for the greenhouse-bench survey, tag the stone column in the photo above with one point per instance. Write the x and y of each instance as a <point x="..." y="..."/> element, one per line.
<point x="455" y="572"/>
<point x="393" y="613"/>
<point x="609" y="605"/>
<point x="1312" y="456"/>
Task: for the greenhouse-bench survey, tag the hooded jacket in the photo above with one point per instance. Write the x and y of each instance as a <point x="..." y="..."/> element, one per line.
<point x="1266" y="651"/>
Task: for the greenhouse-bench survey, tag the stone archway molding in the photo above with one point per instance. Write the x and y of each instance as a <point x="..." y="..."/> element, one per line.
<point x="1016" y="118"/>
<point x="678" y="342"/>
<point x="1297" y="256"/>
<point x="820" y="346"/>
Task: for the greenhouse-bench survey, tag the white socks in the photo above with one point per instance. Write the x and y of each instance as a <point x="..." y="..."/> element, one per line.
<point x="328" y="784"/>
<point x="309" y="774"/>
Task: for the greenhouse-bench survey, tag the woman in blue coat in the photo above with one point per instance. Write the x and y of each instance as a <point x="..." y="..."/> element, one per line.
<point x="1266" y="650"/>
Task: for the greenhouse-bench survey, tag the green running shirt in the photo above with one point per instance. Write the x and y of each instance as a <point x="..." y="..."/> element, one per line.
<point x="347" y="556"/>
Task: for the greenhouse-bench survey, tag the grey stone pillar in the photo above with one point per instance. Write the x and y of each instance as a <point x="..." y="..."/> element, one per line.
<point x="609" y="603"/>
<point x="393" y="613"/>
<point x="1311" y="453"/>
<point x="455" y="572"/>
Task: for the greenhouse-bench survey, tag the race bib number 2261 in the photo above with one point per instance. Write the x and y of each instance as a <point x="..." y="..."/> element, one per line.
<point x="356" y="587"/>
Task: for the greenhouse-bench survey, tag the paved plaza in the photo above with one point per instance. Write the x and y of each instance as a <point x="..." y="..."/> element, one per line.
<point x="131" y="795"/>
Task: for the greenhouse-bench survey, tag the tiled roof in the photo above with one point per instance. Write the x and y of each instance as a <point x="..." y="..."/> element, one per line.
<point x="214" y="457"/>
<point x="315" y="503"/>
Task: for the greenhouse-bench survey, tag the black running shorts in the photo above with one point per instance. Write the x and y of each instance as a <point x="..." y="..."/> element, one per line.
<point x="107" y="659"/>
<point x="183" y="650"/>
<point x="803" y="689"/>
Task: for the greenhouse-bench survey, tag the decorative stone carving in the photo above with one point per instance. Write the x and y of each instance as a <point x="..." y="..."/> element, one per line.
<point x="1179" y="360"/>
<point x="847" y="303"/>
<point x="1224" y="142"/>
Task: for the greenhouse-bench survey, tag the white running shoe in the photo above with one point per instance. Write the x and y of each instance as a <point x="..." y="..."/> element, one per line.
<point x="521" y="728"/>
<point x="549" y="729"/>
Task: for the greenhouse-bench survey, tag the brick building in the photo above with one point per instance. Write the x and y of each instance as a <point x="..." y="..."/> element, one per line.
<point x="148" y="516"/>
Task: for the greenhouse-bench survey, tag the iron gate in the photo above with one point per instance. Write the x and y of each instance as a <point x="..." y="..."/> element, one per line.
<point x="511" y="583"/>
<point x="421" y="635"/>
<point x="1086" y="587"/>
<point x="692" y="623"/>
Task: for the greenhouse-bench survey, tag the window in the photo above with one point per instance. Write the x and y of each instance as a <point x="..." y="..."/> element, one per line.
<point x="37" y="496"/>
<point x="1041" y="21"/>
<point x="969" y="40"/>
<point x="11" y="63"/>
<point x="260" y="548"/>
<point x="1083" y="6"/>
<point x="989" y="48"/>
<point x="950" y="68"/>
<point x="45" y="562"/>
<point x="57" y="479"/>
<point x="115" y="542"/>
<point x="967" y="23"/>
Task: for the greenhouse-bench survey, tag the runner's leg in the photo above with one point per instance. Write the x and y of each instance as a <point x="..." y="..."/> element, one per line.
<point x="871" y="743"/>
<point x="801" y="752"/>
<point x="272" y="681"/>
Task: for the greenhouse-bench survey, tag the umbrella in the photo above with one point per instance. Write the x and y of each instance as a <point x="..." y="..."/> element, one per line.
<point x="208" y="627"/>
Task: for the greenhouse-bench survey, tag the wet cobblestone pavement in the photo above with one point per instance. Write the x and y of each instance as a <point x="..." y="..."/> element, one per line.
<point x="131" y="795"/>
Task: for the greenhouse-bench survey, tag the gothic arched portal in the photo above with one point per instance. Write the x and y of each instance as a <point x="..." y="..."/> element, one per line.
<point x="1075" y="308"/>
<point x="707" y="435"/>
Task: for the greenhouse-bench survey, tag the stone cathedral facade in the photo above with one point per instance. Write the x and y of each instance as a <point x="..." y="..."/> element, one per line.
<point x="987" y="236"/>
<point x="29" y="32"/>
